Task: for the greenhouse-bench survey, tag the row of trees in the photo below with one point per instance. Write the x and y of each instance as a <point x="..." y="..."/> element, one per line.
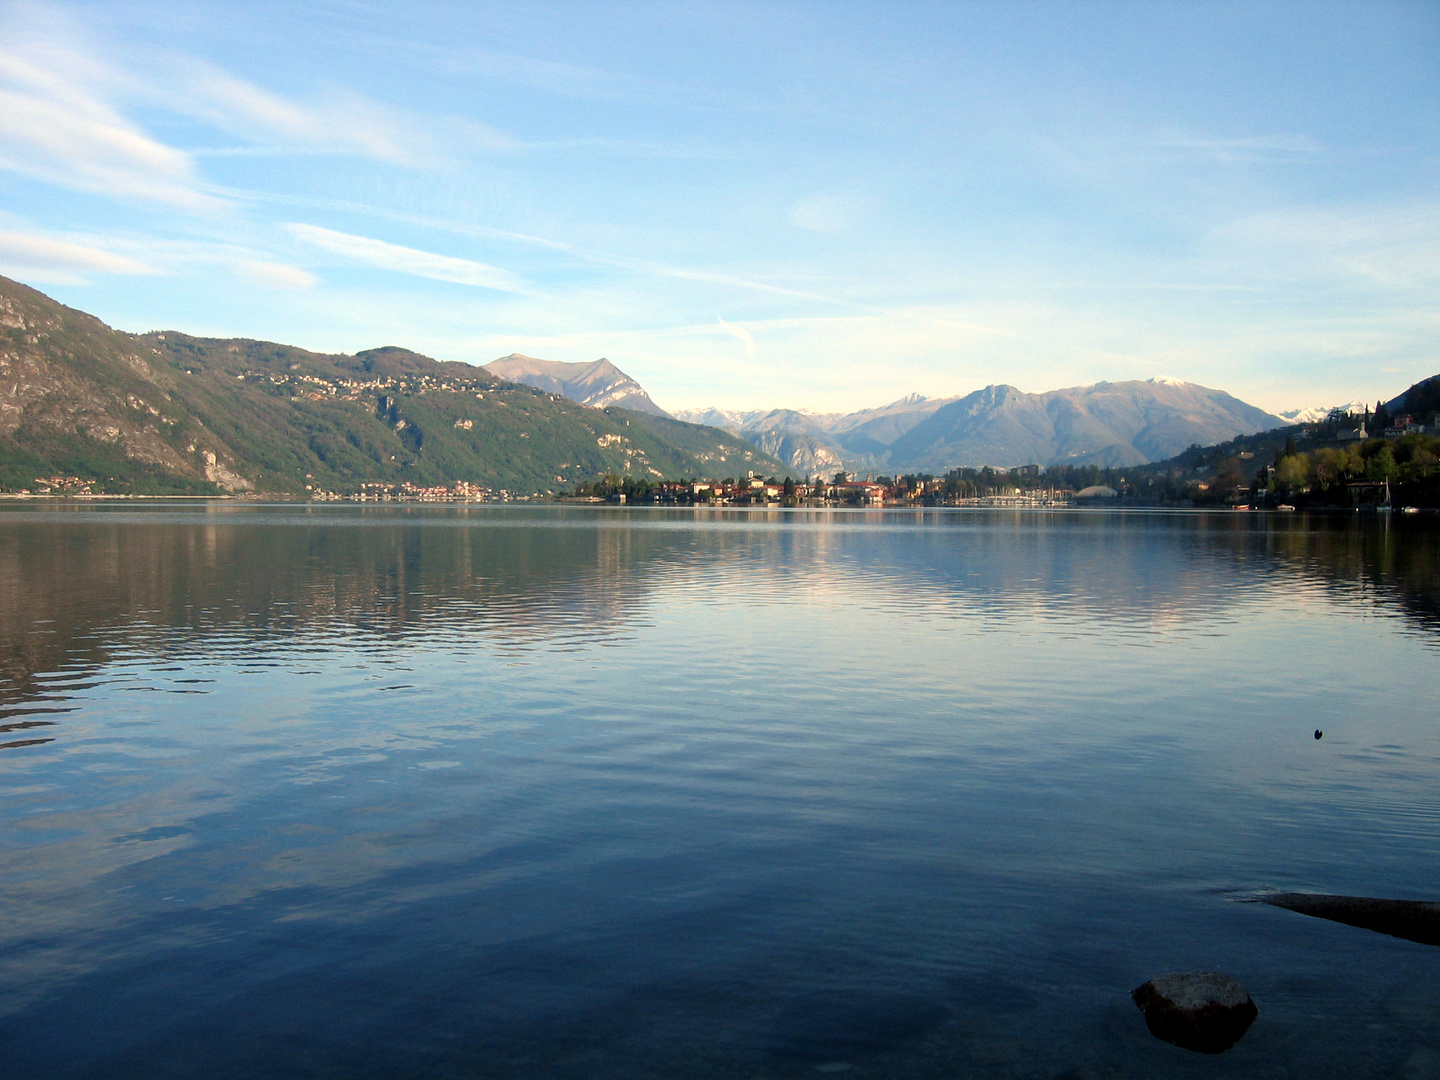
<point x="610" y="484"/>
<point x="1408" y="459"/>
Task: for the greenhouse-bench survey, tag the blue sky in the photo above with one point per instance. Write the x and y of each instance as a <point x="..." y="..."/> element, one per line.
<point x="806" y="205"/>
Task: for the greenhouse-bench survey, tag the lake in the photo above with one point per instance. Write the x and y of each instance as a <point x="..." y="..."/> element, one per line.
<point x="475" y="791"/>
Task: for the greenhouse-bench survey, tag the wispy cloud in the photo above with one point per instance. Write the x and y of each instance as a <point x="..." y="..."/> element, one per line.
<point x="338" y="122"/>
<point x="407" y="260"/>
<point x="56" y="128"/>
<point x="1274" y="147"/>
<point x="1395" y="248"/>
<point x="740" y="334"/>
<point x="275" y="275"/>
<point x="615" y="260"/>
<point x="52" y="261"/>
<point x="571" y="80"/>
<point x="66" y="118"/>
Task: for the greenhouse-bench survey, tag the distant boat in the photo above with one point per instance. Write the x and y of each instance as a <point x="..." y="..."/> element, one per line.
<point x="1285" y="508"/>
<point x="1409" y="510"/>
<point x="1243" y="506"/>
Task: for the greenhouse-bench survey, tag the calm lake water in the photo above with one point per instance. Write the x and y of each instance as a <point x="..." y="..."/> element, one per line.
<point x="539" y="792"/>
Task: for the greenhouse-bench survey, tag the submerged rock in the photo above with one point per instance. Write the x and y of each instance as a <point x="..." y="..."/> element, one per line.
<point x="1196" y="1010"/>
<point x="1413" y="920"/>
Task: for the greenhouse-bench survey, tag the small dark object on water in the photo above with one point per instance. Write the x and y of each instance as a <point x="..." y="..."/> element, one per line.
<point x="1413" y="920"/>
<point x="1319" y="734"/>
<point x="1196" y="1010"/>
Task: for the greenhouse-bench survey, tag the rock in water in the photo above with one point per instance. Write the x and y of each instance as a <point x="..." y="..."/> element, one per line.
<point x="1413" y="920"/>
<point x="1196" y="1010"/>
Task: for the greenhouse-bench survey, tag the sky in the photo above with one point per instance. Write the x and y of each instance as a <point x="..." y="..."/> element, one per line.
<point x="819" y="205"/>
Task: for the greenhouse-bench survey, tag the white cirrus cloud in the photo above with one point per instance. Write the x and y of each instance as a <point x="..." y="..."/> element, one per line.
<point x="1282" y="146"/>
<point x="276" y="275"/>
<point x="52" y="261"/>
<point x="1393" y="247"/>
<point x="340" y="122"/>
<point x="407" y="260"/>
<point x="68" y="101"/>
<point x="740" y="334"/>
<point x="56" y="126"/>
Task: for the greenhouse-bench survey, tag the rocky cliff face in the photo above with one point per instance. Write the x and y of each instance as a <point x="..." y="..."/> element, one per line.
<point x="67" y="378"/>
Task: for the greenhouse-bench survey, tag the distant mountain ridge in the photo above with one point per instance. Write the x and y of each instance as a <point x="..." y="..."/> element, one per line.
<point x="1315" y="413"/>
<point x="812" y="442"/>
<point x="598" y="384"/>
<point x="1107" y="424"/>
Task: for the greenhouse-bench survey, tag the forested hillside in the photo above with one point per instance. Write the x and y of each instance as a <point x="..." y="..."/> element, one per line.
<point x="169" y="413"/>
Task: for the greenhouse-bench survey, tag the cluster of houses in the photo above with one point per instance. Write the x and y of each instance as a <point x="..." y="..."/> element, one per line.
<point x="752" y="489"/>
<point x="1403" y="424"/>
<point x="60" y="485"/>
<point x="339" y="388"/>
<point x="847" y="490"/>
<point x="460" y="491"/>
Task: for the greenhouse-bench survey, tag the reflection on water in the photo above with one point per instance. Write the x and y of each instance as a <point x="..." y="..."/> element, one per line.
<point x="527" y="792"/>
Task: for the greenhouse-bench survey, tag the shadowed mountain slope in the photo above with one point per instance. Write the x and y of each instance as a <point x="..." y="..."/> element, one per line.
<point x="1421" y="401"/>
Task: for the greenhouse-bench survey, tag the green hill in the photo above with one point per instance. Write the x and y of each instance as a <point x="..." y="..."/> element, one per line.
<point x="163" y="413"/>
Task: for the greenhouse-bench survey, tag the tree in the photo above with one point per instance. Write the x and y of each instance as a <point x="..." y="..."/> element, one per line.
<point x="1293" y="473"/>
<point x="1329" y="465"/>
<point x="1381" y="465"/>
<point x="1230" y="475"/>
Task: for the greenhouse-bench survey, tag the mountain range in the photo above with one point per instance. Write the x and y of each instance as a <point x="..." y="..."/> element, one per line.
<point x="1315" y="413"/>
<point x="166" y="412"/>
<point x="1106" y="424"/>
